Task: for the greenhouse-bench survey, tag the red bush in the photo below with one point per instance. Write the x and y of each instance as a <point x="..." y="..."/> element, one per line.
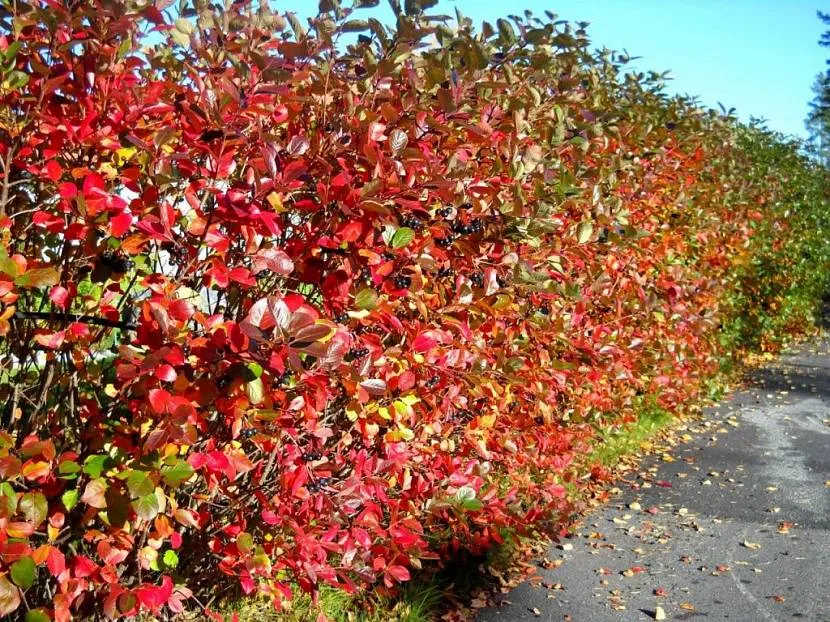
<point x="284" y="307"/>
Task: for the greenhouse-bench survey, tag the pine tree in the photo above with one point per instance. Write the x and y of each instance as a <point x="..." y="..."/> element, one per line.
<point x="818" y="119"/>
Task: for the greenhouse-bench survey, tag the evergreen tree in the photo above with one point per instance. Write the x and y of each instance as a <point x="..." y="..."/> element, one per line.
<point x="818" y="119"/>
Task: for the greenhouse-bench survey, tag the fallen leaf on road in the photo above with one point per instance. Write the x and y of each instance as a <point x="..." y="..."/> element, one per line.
<point x="536" y="612"/>
<point x="751" y="545"/>
<point x="630" y="572"/>
<point x="777" y="598"/>
<point x="784" y="526"/>
<point x="659" y="613"/>
<point x="659" y="591"/>
<point x="687" y="606"/>
<point x="552" y="563"/>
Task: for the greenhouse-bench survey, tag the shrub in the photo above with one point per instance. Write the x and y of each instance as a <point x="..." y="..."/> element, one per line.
<point x="290" y="307"/>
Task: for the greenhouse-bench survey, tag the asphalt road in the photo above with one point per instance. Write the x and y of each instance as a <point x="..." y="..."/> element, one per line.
<point x="736" y="527"/>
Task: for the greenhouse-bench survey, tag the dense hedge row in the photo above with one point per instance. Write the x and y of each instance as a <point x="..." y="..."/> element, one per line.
<point x="289" y="307"/>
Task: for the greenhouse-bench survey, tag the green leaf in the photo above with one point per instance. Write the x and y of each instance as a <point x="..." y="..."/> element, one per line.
<point x="255" y="369"/>
<point x="170" y="559"/>
<point x="402" y="237"/>
<point x="584" y="232"/>
<point x="139" y="484"/>
<point x="8" y="500"/>
<point x="23" y="572"/>
<point x="245" y="542"/>
<point x="7" y="266"/>
<point x="177" y="473"/>
<point x="11" y="51"/>
<point x="16" y="79"/>
<point x="95" y="465"/>
<point x="185" y="26"/>
<point x="506" y="31"/>
<point x="69" y="499"/>
<point x="36" y="615"/>
<point x="68" y="468"/>
<point x="366" y="299"/>
<point x="296" y="26"/>
<point x="355" y="25"/>
<point x="147" y="507"/>
<point x="34" y="507"/>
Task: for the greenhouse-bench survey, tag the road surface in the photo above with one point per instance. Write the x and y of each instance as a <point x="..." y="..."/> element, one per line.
<point x="732" y="525"/>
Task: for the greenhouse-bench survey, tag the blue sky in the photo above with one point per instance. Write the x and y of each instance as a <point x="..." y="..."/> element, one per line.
<point x="760" y="56"/>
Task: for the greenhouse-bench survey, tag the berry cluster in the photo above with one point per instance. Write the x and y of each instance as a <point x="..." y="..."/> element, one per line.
<point x="412" y="222"/>
<point x="318" y="484"/>
<point x="477" y="279"/>
<point x="474" y="226"/>
<point x="178" y="255"/>
<point x="444" y="272"/>
<point x="445" y="242"/>
<point x="311" y="456"/>
<point x="356" y="353"/>
<point x="402" y="281"/>
<point x="117" y="262"/>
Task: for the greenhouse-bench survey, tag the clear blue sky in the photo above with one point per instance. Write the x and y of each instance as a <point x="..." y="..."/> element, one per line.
<point x="760" y="56"/>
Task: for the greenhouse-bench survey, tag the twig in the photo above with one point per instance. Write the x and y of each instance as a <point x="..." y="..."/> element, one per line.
<point x="73" y="317"/>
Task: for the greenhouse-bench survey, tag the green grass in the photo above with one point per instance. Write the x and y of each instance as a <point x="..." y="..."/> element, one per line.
<point x="417" y="602"/>
<point x="613" y="444"/>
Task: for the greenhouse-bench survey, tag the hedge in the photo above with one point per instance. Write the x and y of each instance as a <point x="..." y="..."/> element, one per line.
<point x="287" y="305"/>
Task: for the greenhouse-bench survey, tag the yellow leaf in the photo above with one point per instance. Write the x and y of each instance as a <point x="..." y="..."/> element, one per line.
<point x="406" y="433"/>
<point x="275" y="201"/>
<point x="410" y="399"/>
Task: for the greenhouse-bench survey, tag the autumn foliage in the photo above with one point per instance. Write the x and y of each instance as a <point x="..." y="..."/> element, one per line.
<point x="286" y="305"/>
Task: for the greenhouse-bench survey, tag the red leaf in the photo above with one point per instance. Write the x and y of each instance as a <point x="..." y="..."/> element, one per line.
<point x="181" y="310"/>
<point x="423" y="343"/>
<point x="159" y="400"/>
<point x="68" y="190"/>
<point x="273" y="259"/>
<point x="59" y="295"/>
<point x="376" y="131"/>
<point x="399" y="573"/>
<point x="53" y="170"/>
<point x="55" y="561"/>
<point x="120" y="224"/>
<point x="154" y="597"/>
<point x="51" y="340"/>
<point x="166" y="373"/>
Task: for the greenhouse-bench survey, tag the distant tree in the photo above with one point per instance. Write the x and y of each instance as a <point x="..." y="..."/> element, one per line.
<point x="818" y="119"/>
